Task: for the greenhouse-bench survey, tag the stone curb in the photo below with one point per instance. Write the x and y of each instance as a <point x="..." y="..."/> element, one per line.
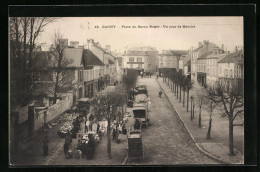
<point x="125" y="161"/>
<point x="192" y="138"/>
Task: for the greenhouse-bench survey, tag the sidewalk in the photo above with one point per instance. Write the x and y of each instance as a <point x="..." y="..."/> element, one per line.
<point x="31" y="153"/>
<point x="217" y="146"/>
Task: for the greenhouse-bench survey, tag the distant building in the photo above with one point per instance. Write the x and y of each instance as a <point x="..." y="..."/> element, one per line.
<point x="169" y="60"/>
<point x="141" y="59"/>
<point x="184" y="65"/>
<point x="231" y="68"/>
<point x="197" y="59"/>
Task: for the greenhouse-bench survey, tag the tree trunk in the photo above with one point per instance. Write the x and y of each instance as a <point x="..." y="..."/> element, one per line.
<point x="56" y="88"/>
<point x="209" y="129"/>
<point x="180" y="93"/>
<point x="187" y="100"/>
<point x="200" y="117"/>
<point x="183" y="98"/>
<point x="108" y="140"/>
<point x="231" y="150"/>
<point x="193" y="110"/>
<point x="177" y="90"/>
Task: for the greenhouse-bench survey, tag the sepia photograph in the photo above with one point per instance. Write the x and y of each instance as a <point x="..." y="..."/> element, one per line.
<point x="90" y="91"/>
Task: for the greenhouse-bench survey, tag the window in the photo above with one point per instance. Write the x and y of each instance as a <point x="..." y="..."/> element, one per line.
<point x="161" y="64"/>
<point x="139" y="59"/>
<point x="131" y="59"/>
<point x="80" y="76"/>
<point x="231" y="73"/>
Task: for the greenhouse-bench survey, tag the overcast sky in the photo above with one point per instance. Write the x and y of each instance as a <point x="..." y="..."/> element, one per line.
<point x="220" y="30"/>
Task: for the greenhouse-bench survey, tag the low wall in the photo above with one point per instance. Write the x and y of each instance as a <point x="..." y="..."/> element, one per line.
<point x="53" y="111"/>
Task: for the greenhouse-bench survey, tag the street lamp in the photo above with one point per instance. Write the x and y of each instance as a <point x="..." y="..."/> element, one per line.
<point x="191" y="100"/>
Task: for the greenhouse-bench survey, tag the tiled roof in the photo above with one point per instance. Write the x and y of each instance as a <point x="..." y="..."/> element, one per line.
<point x="204" y="56"/>
<point x="179" y="52"/>
<point x="236" y="57"/>
<point x="186" y="59"/>
<point x="216" y="56"/>
<point x="200" y="47"/>
<point x="90" y="59"/>
<point x="187" y="63"/>
<point x="142" y="49"/>
<point x="135" y="53"/>
<point x="75" y="55"/>
<point x="151" y="53"/>
<point x="102" y="49"/>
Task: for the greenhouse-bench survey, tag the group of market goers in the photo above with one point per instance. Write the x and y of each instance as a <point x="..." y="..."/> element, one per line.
<point x="81" y="123"/>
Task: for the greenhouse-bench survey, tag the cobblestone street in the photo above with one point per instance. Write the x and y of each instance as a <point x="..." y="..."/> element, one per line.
<point x="166" y="141"/>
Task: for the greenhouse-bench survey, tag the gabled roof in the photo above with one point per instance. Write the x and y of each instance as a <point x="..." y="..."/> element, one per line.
<point x="90" y="59"/>
<point x="236" y="57"/>
<point x="179" y="52"/>
<point x="216" y="56"/>
<point x="75" y="55"/>
<point x="151" y="53"/>
<point x="188" y="62"/>
<point x="110" y="61"/>
<point x="185" y="59"/>
<point x="135" y="53"/>
<point x="102" y="49"/>
<point x="204" y="56"/>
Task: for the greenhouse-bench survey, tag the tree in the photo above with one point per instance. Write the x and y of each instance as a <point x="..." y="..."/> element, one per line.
<point x="188" y="84"/>
<point x="201" y="98"/>
<point x="23" y="34"/>
<point x="181" y="83"/>
<point x="129" y="80"/>
<point x="107" y="106"/>
<point x="212" y="103"/>
<point x="62" y="75"/>
<point x="231" y="97"/>
<point x="183" y="88"/>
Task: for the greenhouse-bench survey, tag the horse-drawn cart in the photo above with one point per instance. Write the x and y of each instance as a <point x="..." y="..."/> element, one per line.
<point x="135" y="148"/>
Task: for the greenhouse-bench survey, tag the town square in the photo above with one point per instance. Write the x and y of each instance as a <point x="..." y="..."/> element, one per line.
<point x="126" y="91"/>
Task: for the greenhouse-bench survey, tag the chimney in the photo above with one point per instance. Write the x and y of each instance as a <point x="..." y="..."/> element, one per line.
<point x="64" y="42"/>
<point x="39" y="48"/>
<point x="200" y="44"/>
<point x="74" y="44"/>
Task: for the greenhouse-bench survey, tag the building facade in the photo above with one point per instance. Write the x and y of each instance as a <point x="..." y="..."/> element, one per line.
<point x="197" y="60"/>
<point x="141" y="59"/>
<point x="231" y="68"/>
<point x="169" y="59"/>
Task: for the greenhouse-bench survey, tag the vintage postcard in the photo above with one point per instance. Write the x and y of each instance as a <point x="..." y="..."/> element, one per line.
<point x="126" y="90"/>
